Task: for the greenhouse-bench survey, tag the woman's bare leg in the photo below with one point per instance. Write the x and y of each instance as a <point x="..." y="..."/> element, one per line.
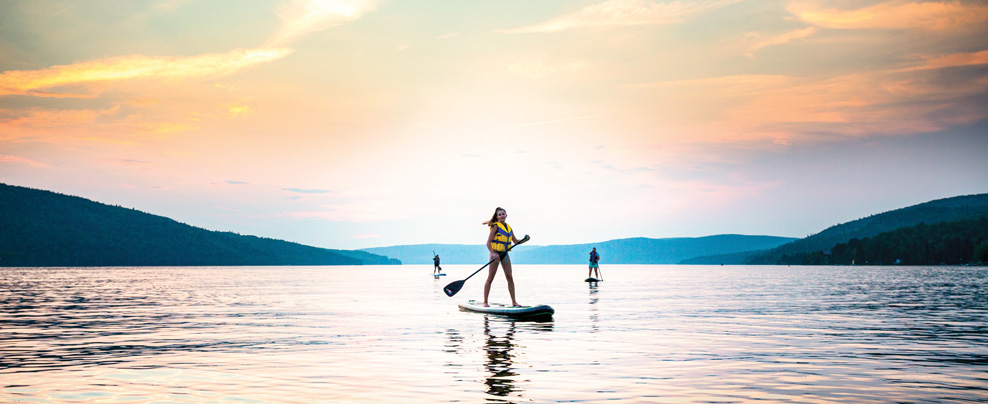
<point x="490" y="279"/>
<point x="511" y="280"/>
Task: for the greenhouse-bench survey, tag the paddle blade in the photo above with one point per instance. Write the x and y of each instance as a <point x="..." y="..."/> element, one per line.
<point x="452" y="288"/>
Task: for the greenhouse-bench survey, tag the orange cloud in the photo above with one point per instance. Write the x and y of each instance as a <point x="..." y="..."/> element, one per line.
<point x="38" y="119"/>
<point x="108" y="125"/>
<point x="779" y="39"/>
<point x="787" y="109"/>
<point x="896" y="14"/>
<point x="954" y="60"/>
<point x="166" y="128"/>
<point x="38" y="82"/>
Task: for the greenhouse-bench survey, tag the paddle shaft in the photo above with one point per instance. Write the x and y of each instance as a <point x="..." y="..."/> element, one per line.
<point x="501" y="256"/>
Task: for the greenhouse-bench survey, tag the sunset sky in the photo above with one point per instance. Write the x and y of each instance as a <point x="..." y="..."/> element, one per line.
<point x="353" y="124"/>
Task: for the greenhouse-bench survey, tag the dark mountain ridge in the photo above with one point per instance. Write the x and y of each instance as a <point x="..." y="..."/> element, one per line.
<point x="43" y="228"/>
<point x="957" y="208"/>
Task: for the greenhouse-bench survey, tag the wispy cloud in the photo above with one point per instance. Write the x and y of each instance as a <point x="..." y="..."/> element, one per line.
<point x="108" y="125"/>
<point x="895" y="14"/>
<point x="238" y="109"/>
<point x="785" y="109"/>
<point x="40" y="82"/>
<point x="166" y="128"/>
<point x="730" y="84"/>
<point x="6" y="158"/>
<point x="305" y="16"/>
<point x="169" y="5"/>
<point x="39" y="120"/>
<point x="617" y="13"/>
<point x="129" y="164"/>
<point x="306" y="191"/>
<point x="762" y="42"/>
<point x="953" y="60"/>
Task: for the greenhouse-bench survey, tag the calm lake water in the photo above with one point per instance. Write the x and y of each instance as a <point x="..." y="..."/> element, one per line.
<point x="646" y="334"/>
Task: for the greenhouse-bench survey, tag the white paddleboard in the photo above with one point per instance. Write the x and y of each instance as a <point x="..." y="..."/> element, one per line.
<point x="523" y="312"/>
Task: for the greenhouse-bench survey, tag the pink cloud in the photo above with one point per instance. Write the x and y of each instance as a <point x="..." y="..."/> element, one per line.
<point x="6" y="158"/>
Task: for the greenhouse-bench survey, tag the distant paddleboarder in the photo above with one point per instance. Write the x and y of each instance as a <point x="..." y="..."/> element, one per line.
<point x="498" y="241"/>
<point x="436" y="270"/>
<point x="594" y="257"/>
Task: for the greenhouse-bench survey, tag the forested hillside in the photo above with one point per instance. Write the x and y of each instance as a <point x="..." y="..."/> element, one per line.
<point x="950" y="243"/>
<point x="41" y="228"/>
<point x="942" y="210"/>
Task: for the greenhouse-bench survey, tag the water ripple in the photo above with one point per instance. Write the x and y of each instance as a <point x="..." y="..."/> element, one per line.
<point x="647" y="334"/>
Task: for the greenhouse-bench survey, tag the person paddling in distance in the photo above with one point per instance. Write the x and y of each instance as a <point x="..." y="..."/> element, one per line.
<point x="594" y="257"/>
<point x="498" y="241"/>
<point x="436" y="269"/>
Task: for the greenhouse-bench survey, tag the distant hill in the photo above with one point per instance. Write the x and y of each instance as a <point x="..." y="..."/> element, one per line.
<point x="420" y="254"/>
<point x="963" y="242"/>
<point x="624" y="251"/>
<point x="942" y="210"/>
<point x="42" y="228"/>
<point x="645" y="251"/>
<point x="738" y="258"/>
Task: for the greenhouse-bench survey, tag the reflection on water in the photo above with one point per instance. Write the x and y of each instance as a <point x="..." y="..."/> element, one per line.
<point x="594" y="311"/>
<point x="389" y="334"/>
<point x="502" y="380"/>
<point x="499" y="349"/>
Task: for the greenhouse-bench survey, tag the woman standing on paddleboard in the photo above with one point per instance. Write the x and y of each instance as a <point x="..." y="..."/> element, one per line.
<point x="498" y="241"/>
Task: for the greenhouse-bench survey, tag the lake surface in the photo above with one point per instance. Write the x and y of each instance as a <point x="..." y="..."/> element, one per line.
<point x="388" y="334"/>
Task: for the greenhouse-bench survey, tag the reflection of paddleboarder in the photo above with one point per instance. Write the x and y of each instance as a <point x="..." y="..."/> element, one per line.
<point x="594" y="257"/>
<point x="436" y="270"/>
<point x="499" y="362"/>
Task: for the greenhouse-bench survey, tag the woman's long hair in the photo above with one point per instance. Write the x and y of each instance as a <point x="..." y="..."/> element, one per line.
<point x="494" y="217"/>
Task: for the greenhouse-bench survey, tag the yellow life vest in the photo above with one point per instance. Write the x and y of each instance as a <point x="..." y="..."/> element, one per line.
<point x="502" y="237"/>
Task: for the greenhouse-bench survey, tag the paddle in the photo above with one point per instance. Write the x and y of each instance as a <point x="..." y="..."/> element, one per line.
<point x="454" y="287"/>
